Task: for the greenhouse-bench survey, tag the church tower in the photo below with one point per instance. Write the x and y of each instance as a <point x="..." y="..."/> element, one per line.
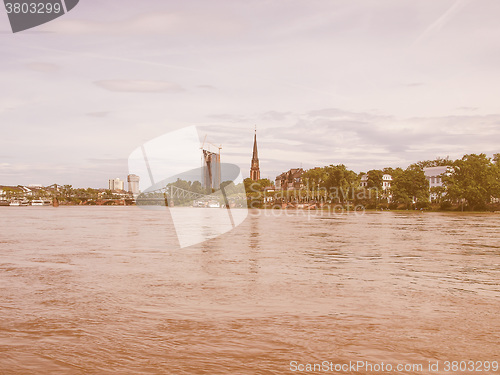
<point x="254" y="169"/>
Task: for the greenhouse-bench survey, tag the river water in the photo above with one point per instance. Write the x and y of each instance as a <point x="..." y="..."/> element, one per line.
<point x="107" y="290"/>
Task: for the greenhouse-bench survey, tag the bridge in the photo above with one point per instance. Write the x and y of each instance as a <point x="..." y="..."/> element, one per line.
<point x="173" y="195"/>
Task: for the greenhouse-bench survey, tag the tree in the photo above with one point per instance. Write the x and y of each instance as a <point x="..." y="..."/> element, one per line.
<point x="410" y="186"/>
<point x="375" y="180"/>
<point x="388" y="170"/>
<point x="340" y="181"/>
<point x="67" y="191"/>
<point x="475" y="179"/>
<point x="252" y="186"/>
<point x="264" y="182"/>
<point x="438" y="162"/>
<point x="314" y="178"/>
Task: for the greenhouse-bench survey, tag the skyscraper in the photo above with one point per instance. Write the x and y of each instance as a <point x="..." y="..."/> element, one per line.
<point x="211" y="170"/>
<point x="133" y="184"/>
<point x="254" y="169"/>
<point x="116" y="184"/>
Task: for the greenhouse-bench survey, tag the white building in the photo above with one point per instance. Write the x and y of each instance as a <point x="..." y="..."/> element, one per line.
<point x="116" y="184"/>
<point x="435" y="177"/>
<point x="386" y="181"/>
<point x="26" y="191"/>
<point x="133" y="184"/>
<point x="364" y="180"/>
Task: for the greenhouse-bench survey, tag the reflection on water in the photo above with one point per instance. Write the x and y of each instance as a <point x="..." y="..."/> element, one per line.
<point x="107" y="290"/>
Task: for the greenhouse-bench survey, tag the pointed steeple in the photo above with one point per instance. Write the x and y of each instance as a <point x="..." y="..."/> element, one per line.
<point x="254" y="169"/>
<point x="255" y="153"/>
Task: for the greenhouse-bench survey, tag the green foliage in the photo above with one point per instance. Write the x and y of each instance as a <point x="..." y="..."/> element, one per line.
<point x="375" y="179"/>
<point x="410" y="186"/>
<point x="438" y="162"/>
<point x="438" y="192"/>
<point x="475" y="179"/>
<point x="67" y="190"/>
<point x="340" y="181"/>
<point x="315" y="177"/>
<point x="496" y="159"/>
<point x="194" y="186"/>
<point x="252" y="186"/>
<point x="264" y="182"/>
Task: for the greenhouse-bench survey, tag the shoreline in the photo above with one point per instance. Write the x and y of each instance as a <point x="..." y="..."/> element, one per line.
<point x="288" y="209"/>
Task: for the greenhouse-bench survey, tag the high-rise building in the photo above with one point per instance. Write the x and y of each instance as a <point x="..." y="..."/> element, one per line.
<point x="254" y="169"/>
<point x="133" y="184"/>
<point x="211" y="170"/>
<point x="116" y="184"/>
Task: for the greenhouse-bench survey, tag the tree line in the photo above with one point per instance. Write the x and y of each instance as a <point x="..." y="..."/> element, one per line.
<point x="470" y="183"/>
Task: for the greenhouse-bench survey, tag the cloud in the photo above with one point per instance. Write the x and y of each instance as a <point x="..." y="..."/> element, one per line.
<point x="207" y="87"/>
<point x="123" y="85"/>
<point x="275" y="115"/>
<point x="413" y="84"/>
<point x="108" y="162"/>
<point x="98" y="114"/>
<point x="360" y="140"/>
<point x="157" y="23"/>
<point x="465" y="108"/>
<point x="43" y="67"/>
<point x="229" y="117"/>
<point x="441" y="22"/>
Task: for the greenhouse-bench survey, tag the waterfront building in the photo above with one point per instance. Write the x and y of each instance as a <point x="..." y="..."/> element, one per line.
<point x="116" y="184"/>
<point x="133" y="184"/>
<point x="435" y="177"/>
<point x="17" y="190"/>
<point x="364" y="180"/>
<point x="255" y="169"/>
<point x="386" y="181"/>
<point x="26" y="190"/>
<point x="290" y="180"/>
<point x="3" y="197"/>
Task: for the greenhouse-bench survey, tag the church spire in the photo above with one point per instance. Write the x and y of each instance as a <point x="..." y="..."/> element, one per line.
<point x="254" y="169"/>
<point x="255" y="153"/>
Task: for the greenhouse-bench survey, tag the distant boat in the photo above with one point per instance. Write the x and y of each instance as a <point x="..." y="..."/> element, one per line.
<point x="213" y="205"/>
<point x="37" y="202"/>
<point x="4" y="203"/>
<point x="14" y="203"/>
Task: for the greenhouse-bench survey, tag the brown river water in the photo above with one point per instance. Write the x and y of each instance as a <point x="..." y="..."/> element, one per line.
<point x="106" y="290"/>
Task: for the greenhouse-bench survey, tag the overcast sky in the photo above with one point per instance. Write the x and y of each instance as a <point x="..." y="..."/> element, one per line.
<point x="365" y="83"/>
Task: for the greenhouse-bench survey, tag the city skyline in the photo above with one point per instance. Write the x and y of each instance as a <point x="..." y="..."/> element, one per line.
<point x="366" y="85"/>
<point x="134" y="180"/>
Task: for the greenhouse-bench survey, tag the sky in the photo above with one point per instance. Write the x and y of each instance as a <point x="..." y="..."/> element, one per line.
<point x="369" y="84"/>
